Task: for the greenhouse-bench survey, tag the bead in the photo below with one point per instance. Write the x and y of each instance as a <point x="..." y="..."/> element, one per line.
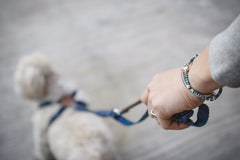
<point x="185" y="68"/>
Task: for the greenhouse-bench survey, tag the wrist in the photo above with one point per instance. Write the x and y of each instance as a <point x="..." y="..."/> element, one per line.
<point x="200" y="75"/>
<point x="197" y="78"/>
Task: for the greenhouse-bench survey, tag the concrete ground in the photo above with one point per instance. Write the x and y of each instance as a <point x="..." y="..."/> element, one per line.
<point x="112" y="48"/>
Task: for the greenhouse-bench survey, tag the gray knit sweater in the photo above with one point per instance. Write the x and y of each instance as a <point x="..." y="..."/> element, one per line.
<point x="224" y="56"/>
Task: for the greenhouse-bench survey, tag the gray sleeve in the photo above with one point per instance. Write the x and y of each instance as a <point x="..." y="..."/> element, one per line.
<point x="224" y="56"/>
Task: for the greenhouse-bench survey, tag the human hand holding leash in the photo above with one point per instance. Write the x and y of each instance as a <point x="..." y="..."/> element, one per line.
<point x="166" y="94"/>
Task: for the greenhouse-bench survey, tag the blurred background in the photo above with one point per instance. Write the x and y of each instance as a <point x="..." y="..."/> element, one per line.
<point x="112" y="48"/>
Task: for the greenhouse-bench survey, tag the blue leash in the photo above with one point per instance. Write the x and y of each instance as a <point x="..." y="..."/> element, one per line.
<point x="184" y="117"/>
<point x="202" y="116"/>
<point x="114" y="113"/>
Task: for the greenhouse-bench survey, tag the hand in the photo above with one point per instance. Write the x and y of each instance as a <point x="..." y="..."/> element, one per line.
<point x="166" y="95"/>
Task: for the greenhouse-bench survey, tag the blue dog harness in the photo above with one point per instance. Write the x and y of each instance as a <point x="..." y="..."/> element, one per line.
<point x="184" y="117"/>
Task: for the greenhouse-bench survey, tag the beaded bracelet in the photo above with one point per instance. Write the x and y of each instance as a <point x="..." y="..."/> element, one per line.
<point x="185" y="70"/>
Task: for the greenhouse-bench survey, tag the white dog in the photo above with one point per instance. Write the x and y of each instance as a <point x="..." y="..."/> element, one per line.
<point x="75" y="135"/>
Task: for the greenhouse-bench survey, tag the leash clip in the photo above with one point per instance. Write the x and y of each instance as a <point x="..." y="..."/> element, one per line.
<point x="117" y="111"/>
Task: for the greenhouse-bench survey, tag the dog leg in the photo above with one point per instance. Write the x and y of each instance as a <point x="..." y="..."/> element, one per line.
<point x="41" y="147"/>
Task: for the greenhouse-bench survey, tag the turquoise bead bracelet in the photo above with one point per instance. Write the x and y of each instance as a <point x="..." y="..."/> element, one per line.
<point x="185" y="70"/>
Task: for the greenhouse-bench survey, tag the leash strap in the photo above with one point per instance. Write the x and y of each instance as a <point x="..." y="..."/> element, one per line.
<point x="184" y="117"/>
<point x="114" y="113"/>
<point x="202" y="116"/>
<point x="57" y="114"/>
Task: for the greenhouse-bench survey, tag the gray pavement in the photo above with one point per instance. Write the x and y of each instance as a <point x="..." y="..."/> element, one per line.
<point x="112" y="48"/>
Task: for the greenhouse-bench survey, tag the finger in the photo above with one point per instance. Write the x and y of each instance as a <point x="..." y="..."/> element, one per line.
<point x="150" y="114"/>
<point x="171" y="124"/>
<point x="144" y="97"/>
<point x="150" y="107"/>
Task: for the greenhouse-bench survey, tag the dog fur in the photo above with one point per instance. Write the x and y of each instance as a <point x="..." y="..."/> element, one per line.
<point x="74" y="135"/>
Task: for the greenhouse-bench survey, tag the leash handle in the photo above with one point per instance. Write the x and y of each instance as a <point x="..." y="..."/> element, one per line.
<point x="202" y="116"/>
<point x="183" y="117"/>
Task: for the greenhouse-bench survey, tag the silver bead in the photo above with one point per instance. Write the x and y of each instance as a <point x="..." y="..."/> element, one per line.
<point x="185" y="68"/>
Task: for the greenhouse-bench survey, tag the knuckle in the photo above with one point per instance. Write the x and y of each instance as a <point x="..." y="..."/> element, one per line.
<point x="148" y="88"/>
<point x="155" y="104"/>
<point x="150" y="99"/>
